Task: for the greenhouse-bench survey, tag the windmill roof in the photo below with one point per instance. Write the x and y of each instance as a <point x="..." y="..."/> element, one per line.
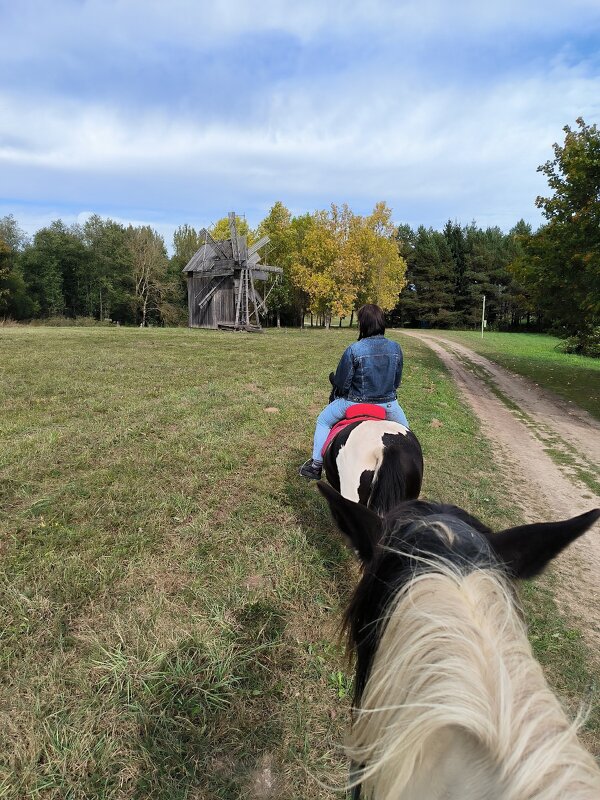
<point x="206" y="258"/>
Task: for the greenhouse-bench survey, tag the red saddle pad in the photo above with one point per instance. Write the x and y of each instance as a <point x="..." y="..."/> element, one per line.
<point x="359" y="412"/>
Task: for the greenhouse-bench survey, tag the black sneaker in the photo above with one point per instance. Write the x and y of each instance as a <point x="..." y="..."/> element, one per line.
<point x="311" y="470"/>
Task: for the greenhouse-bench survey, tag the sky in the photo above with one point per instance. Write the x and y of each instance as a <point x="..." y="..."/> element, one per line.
<point x="166" y="113"/>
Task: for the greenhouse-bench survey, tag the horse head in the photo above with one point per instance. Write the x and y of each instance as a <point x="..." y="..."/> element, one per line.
<point x="442" y="653"/>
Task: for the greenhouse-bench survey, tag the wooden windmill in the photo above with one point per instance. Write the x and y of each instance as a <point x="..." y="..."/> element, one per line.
<point x="222" y="282"/>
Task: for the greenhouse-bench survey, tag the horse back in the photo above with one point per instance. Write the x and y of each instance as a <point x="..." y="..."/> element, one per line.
<point x="376" y="463"/>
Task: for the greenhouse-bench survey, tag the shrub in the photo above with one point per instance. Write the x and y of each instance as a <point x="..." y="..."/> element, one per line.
<point x="586" y="343"/>
<point x="70" y="322"/>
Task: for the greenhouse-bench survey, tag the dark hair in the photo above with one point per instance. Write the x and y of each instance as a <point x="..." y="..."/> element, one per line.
<point x="371" y="321"/>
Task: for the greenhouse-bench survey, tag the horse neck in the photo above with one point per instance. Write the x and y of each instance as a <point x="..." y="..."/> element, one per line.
<point x="457" y="707"/>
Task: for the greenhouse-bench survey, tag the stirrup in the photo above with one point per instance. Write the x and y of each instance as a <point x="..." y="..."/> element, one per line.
<point x="310" y="470"/>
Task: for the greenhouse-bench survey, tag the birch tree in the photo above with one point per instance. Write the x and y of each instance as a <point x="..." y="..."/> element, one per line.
<point x="149" y="265"/>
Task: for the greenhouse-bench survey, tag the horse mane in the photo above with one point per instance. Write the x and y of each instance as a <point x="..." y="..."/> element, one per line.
<point x="453" y="664"/>
<point x="391" y="485"/>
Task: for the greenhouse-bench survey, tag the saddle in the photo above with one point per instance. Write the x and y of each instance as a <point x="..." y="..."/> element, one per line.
<point x="359" y="412"/>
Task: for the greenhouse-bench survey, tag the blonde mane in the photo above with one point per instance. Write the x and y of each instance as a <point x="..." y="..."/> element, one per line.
<point x="456" y="706"/>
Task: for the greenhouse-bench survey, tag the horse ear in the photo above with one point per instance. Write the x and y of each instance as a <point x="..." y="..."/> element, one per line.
<point x="528" y="549"/>
<point x="361" y="525"/>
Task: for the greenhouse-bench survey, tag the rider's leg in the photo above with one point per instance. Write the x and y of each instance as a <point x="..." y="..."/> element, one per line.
<point x="331" y="414"/>
<point x="394" y="412"/>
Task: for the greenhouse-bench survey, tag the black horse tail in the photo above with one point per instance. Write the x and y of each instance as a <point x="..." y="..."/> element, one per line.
<point x="399" y="476"/>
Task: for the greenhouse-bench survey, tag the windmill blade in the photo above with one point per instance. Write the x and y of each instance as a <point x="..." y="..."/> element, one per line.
<point x="253" y="299"/>
<point x="209" y="294"/>
<point x="254" y="263"/>
<point x="243" y="248"/>
<point x="269" y="290"/>
<point x="268" y="268"/>
<point x="217" y="246"/>
<point x="234" y="236"/>
<point x="257" y="245"/>
<point x="259" y="302"/>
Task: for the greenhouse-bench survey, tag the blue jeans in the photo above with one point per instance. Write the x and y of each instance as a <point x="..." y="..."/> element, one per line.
<point x="337" y="410"/>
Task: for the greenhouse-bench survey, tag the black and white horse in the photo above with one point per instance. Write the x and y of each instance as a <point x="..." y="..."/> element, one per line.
<point x="375" y="462"/>
<point x="449" y="700"/>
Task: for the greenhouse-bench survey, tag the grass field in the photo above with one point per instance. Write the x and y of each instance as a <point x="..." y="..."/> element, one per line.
<point x="171" y="589"/>
<point x="575" y="378"/>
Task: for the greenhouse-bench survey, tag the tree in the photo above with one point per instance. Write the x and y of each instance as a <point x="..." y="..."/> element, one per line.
<point x="312" y="266"/>
<point x="448" y="274"/>
<point x="150" y="267"/>
<point x="485" y="259"/>
<point x="429" y="297"/>
<point x="518" y="300"/>
<point x="346" y="260"/>
<point x="54" y="269"/>
<point x="561" y="263"/>
<point x="284" y="298"/>
<point x="327" y="266"/>
<point x="5" y="269"/>
<point x="14" y="301"/>
<point x="220" y="230"/>
<point x="301" y="225"/>
<point x="454" y="234"/>
<point x="383" y="269"/>
<point x="66" y="245"/>
<point x="186" y="242"/>
<point x="12" y="234"/>
<point x="108" y="280"/>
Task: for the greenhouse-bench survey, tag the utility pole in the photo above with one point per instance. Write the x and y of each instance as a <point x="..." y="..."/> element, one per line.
<point x="483" y="317"/>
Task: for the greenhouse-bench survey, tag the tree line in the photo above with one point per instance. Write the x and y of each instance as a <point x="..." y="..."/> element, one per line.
<point x="101" y="270"/>
<point x="334" y="261"/>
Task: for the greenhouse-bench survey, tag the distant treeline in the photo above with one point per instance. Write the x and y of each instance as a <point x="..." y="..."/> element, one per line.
<point x="334" y="261"/>
<point x="422" y="277"/>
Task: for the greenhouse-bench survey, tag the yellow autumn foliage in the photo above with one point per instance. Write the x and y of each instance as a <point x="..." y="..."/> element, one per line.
<point x="347" y="260"/>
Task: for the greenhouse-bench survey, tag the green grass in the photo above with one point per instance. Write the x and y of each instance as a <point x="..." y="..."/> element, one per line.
<point x="171" y="589"/>
<point x="575" y="378"/>
<point x="560" y="648"/>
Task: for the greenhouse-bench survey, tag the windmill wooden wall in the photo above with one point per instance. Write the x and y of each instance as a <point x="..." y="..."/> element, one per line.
<point x="219" y="308"/>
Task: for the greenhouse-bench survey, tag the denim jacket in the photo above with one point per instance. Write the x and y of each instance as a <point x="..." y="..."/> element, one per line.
<point x="370" y="371"/>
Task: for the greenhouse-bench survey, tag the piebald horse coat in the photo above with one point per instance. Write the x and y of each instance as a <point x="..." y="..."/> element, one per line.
<point x="376" y="463"/>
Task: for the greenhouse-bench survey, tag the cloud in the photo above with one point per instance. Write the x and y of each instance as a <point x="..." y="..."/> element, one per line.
<point x="308" y="134"/>
<point x="155" y="112"/>
<point x="140" y="24"/>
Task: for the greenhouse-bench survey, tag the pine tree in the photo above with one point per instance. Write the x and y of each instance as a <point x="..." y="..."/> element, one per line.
<point x="454" y="235"/>
<point x="428" y="299"/>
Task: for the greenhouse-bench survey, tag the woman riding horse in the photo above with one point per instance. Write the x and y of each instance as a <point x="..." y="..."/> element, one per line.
<point x="369" y="371"/>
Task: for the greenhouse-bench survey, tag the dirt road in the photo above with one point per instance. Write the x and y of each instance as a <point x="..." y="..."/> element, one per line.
<point x="550" y="450"/>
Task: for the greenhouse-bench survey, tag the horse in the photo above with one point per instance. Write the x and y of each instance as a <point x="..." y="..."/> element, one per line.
<point x="375" y="462"/>
<point x="449" y="701"/>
